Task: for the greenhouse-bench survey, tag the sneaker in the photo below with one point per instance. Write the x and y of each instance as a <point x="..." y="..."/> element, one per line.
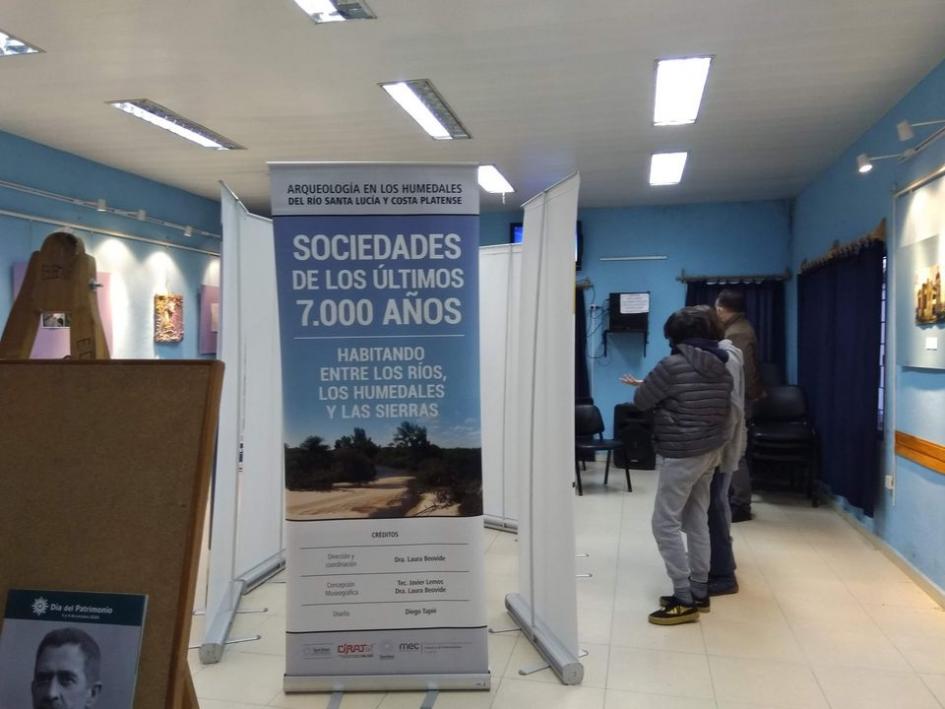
<point x="723" y="587"/>
<point x="701" y="604"/>
<point x="676" y="613"/>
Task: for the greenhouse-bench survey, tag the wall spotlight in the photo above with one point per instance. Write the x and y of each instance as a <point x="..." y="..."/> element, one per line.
<point x="904" y="128"/>
<point x="864" y="162"/>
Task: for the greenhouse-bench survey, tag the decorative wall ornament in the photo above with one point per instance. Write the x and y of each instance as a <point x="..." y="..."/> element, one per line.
<point x="839" y="250"/>
<point x="168" y="318"/>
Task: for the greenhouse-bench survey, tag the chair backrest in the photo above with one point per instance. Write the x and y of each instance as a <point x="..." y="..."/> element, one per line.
<point x="587" y="420"/>
<point x="782" y="403"/>
<point x="771" y="375"/>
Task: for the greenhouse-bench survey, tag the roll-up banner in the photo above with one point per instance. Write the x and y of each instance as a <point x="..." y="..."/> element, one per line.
<point x="377" y="269"/>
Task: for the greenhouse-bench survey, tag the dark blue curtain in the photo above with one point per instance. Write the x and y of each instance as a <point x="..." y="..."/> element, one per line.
<point x="839" y="330"/>
<point x="764" y="308"/>
<point x="582" y="386"/>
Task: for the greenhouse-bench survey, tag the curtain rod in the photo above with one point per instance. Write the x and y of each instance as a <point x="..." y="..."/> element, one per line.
<point x="104" y="232"/>
<point x="839" y="250"/>
<point x="101" y="206"/>
<point x="683" y="277"/>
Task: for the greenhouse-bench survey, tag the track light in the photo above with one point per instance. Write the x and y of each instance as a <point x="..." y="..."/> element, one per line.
<point x="100" y="205"/>
<point x="188" y="231"/>
<point x="141" y="215"/>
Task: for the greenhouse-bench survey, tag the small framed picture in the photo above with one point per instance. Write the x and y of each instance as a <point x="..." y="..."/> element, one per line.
<point x="54" y="321"/>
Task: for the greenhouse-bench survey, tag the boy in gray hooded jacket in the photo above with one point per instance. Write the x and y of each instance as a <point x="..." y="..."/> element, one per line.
<point x="690" y="393"/>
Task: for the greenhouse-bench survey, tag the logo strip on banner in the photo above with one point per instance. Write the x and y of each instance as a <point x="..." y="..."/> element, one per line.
<point x="377" y="271"/>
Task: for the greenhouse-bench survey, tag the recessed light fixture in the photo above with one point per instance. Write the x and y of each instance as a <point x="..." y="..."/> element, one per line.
<point x="679" y="87"/>
<point x="11" y="46"/>
<point x="667" y="168"/>
<point x="165" y="118"/>
<point x="421" y="100"/>
<point x="493" y="181"/>
<point x="322" y="11"/>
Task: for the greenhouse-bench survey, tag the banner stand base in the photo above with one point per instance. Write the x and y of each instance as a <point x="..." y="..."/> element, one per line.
<point x="500" y="524"/>
<point x="388" y="683"/>
<point x="561" y="660"/>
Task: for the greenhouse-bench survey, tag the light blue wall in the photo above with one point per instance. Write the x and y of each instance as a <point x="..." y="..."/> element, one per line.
<point x="139" y="270"/>
<point x="842" y="205"/>
<point x="711" y="239"/>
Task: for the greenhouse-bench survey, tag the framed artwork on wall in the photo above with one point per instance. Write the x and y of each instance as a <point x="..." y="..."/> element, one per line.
<point x="168" y="318"/>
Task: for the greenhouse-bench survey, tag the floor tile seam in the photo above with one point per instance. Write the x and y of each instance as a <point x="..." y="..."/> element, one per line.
<point x="875" y="622"/>
<point x="808" y="665"/>
<point x="650" y="648"/>
<point x="613" y="605"/>
<point x="929" y="688"/>
<point x="780" y="660"/>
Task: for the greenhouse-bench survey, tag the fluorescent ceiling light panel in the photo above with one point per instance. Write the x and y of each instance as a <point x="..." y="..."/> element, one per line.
<point x="679" y="87"/>
<point x="667" y="168"/>
<point x="165" y="118"/>
<point x="10" y="46"/>
<point x="493" y="181"/>
<point x="421" y="100"/>
<point x="322" y="11"/>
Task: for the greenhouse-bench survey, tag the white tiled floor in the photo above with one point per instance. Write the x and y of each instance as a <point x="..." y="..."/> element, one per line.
<point x="823" y="619"/>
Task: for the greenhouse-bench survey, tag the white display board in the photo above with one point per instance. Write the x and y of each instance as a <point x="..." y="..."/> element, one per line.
<point x="543" y="431"/>
<point x="246" y="538"/>
<point x="500" y="269"/>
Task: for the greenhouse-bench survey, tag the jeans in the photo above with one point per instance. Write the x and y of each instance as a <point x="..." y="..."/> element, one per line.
<point x="722" y="564"/>
<point x="741" y="487"/>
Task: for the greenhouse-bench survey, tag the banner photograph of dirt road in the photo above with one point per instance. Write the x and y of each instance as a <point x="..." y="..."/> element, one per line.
<point x="357" y="478"/>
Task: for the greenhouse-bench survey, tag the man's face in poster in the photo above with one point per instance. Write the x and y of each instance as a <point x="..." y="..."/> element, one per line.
<point x="61" y="681"/>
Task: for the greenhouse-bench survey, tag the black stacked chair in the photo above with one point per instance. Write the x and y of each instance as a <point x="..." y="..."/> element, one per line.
<point x="781" y="436"/>
<point x="589" y="438"/>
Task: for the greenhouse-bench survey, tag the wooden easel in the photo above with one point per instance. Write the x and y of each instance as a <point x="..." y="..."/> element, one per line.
<point x="87" y="417"/>
<point x="60" y="278"/>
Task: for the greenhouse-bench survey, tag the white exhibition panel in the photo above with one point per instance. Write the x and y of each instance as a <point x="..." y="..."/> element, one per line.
<point x="543" y="421"/>
<point x="247" y="518"/>
<point x="499" y="275"/>
<point x="260" y="488"/>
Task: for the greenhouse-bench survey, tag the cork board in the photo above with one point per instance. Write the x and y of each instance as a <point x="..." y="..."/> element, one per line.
<point x="104" y="476"/>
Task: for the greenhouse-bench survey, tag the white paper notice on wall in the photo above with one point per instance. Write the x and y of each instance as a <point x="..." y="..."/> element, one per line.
<point x="931" y="343"/>
<point x="634" y="303"/>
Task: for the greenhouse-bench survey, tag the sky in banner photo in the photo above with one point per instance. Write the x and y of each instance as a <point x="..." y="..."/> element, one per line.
<point x="379" y="329"/>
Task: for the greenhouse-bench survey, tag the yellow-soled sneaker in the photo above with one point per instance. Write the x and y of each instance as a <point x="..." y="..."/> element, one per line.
<point x="675" y="613"/>
<point x="703" y="605"/>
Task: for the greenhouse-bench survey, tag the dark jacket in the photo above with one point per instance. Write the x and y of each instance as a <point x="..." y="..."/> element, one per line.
<point x="690" y="391"/>
<point x="742" y="335"/>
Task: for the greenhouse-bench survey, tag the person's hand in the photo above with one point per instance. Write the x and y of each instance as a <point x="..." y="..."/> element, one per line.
<point x="630" y="380"/>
